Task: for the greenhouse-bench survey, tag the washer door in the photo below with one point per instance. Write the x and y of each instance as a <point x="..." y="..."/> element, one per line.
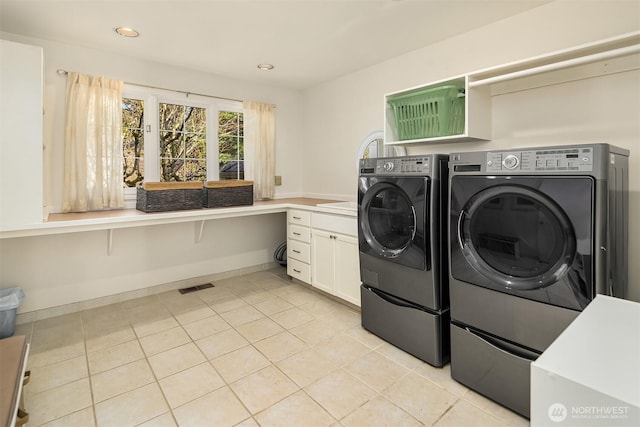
<point x="529" y="237"/>
<point x="392" y="219"/>
<point x="516" y="236"/>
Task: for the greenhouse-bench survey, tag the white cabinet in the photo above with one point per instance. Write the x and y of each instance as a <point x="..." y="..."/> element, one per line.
<point x="21" y="164"/>
<point x="590" y="374"/>
<point x="334" y="256"/>
<point x="299" y="245"/>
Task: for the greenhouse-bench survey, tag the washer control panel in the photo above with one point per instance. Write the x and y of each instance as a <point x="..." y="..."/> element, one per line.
<point x="415" y="165"/>
<point x="544" y="160"/>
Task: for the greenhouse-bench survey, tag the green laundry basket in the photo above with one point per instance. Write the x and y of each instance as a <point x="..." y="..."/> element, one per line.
<point x="429" y="113"/>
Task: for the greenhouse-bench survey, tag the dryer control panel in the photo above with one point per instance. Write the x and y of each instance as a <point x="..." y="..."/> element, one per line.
<point x="414" y="165"/>
<point x="544" y="160"/>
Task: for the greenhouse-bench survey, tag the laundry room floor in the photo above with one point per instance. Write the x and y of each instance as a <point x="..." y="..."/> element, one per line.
<point x="253" y="350"/>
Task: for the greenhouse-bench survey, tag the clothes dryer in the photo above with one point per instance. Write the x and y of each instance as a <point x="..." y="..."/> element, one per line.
<point x="402" y="235"/>
<point x="535" y="234"/>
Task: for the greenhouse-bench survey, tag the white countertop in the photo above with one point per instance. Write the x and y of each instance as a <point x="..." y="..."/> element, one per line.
<point x="125" y="218"/>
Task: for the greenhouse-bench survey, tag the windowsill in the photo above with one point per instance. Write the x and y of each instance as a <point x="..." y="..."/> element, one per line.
<point x="126" y="218"/>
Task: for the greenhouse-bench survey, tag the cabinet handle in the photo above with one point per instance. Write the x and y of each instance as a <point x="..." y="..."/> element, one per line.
<point x="295" y="251"/>
<point x="296" y="234"/>
<point x="297" y="271"/>
<point x="297" y="217"/>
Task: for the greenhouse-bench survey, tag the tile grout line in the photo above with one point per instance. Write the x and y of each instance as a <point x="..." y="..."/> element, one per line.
<point x="89" y="376"/>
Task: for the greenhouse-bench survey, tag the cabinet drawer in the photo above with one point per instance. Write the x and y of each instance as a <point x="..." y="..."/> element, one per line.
<point x="337" y="223"/>
<point x="299" y="217"/>
<point x="299" y="270"/>
<point x="298" y="232"/>
<point x="298" y="250"/>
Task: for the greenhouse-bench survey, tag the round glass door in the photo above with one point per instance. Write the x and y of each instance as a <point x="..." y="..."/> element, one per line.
<point x="390" y="224"/>
<point x="517" y="237"/>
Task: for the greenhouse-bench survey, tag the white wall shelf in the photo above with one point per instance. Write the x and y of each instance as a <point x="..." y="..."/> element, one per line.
<point x="557" y="67"/>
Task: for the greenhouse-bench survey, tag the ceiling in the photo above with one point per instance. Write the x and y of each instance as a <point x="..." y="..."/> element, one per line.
<point x="308" y="41"/>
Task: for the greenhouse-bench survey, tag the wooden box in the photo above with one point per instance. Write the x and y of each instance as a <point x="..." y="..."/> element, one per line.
<point x="219" y="194"/>
<point x="169" y="196"/>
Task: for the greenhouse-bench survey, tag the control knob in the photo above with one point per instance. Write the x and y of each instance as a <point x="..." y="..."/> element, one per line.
<point x="388" y="166"/>
<point x="510" y="161"/>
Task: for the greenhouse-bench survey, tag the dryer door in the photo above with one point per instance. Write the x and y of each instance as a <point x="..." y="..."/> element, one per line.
<point x="529" y="237"/>
<point x="393" y="218"/>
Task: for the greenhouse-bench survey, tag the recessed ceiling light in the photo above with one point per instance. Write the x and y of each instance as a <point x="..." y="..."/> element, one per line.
<point x="265" y="67"/>
<point x="127" y="32"/>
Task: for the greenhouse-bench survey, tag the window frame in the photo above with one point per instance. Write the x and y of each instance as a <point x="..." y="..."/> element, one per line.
<point x="152" y="97"/>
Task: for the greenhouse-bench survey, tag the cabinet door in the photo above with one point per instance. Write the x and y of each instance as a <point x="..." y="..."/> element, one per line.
<point x="347" y="269"/>
<point x="323" y="254"/>
<point x="21" y="163"/>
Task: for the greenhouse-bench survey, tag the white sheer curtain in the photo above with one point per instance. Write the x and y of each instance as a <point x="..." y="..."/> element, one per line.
<point x="93" y="144"/>
<point x="260" y="148"/>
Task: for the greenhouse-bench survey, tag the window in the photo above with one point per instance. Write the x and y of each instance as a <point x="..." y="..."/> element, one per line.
<point x="168" y="136"/>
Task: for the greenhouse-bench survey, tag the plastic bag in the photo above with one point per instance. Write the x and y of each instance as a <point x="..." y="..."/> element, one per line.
<point x="10" y="298"/>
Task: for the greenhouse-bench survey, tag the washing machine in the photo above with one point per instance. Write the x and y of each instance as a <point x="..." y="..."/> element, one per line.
<point x="534" y="235"/>
<point x="402" y="239"/>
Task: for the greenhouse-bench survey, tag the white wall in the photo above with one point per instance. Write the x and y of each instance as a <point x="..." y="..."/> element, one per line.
<point x="340" y="113"/>
<point x="20" y="120"/>
<point x="64" y="269"/>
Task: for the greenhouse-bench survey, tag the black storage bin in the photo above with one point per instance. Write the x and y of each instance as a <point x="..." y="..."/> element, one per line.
<point x="219" y="194"/>
<point x="169" y="196"/>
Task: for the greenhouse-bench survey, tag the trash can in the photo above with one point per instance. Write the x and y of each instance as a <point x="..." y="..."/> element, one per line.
<point x="10" y="300"/>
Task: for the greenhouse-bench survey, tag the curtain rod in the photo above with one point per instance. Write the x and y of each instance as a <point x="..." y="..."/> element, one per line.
<point x="63" y="73"/>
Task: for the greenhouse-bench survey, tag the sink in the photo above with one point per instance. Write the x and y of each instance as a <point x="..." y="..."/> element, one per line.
<point x="352" y="206"/>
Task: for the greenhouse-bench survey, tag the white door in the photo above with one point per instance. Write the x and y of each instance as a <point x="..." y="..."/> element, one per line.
<point x="347" y="269"/>
<point x="323" y="254"/>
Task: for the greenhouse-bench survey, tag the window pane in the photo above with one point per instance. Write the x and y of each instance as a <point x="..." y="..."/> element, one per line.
<point x="132" y="141"/>
<point x="195" y="120"/>
<point x="171" y="169"/>
<point x="171" y="144"/>
<point x="132" y="113"/>
<point x="195" y="170"/>
<point x="195" y="146"/>
<point x="229" y="123"/>
<point x="133" y="171"/>
<point x="171" y="117"/>
<point x="228" y="148"/>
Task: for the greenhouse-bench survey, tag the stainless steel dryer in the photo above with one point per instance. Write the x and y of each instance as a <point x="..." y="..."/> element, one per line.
<point x="535" y="234"/>
<point x="402" y="235"/>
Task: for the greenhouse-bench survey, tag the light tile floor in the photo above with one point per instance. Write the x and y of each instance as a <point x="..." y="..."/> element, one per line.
<point x="256" y="349"/>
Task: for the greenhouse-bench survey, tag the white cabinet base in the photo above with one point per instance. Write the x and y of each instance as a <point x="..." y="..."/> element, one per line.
<point x="590" y="375"/>
<point x="335" y="259"/>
